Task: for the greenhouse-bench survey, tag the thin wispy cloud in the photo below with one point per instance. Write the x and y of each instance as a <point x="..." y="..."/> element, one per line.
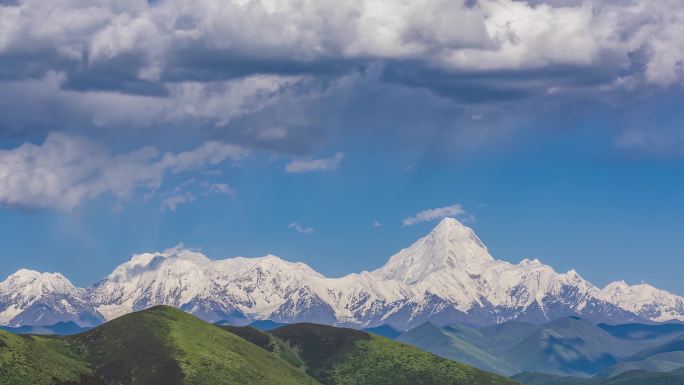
<point x="455" y="210"/>
<point x="300" y="229"/>
<point x="310" y="165"/>
<point x="217" y="188"/>
<point x="187" y="192"/>
<point x="174" y="201"/>
<point x="654" y="140"/>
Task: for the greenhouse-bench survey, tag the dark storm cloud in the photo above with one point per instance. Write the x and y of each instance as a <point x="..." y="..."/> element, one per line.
<point x="117" y="75"/>
<point x="469" y="87"/>
<point x="503" y="85"/>
<point x="207" y="65"/>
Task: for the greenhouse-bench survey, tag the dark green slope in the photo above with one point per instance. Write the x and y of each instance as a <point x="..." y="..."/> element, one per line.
<point x="157" y="346"/>
<point x="267" y="342"/>
<point x="454" y="342"/>
<point x="346" y="356"/>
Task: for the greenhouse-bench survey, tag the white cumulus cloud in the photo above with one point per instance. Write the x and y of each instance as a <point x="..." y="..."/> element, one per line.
<point x="65" y="170"/>
<point x="208" y="64"/>
<point x="189" y="39"/>
<point x="455" y="210"/>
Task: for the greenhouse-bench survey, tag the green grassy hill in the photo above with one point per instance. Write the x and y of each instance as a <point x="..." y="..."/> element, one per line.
<point x="161" y="345"/>
<point x="338" y="356"/>
<point x="33" y="360"/>
<point x="164" y="345"/>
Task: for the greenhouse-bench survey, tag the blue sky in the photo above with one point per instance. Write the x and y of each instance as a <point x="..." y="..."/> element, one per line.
<point x="142" y="128"/>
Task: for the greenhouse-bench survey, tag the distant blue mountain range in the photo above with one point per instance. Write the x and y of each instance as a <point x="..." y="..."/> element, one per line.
<point x="569" y="346"/>
<point x="60" y="328"/>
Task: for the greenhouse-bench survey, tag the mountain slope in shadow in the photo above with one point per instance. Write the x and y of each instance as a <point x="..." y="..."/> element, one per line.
<point x="347" y="356"/>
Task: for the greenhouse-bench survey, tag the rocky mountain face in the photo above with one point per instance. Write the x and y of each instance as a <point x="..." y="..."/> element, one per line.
<point x="446" y="276"/>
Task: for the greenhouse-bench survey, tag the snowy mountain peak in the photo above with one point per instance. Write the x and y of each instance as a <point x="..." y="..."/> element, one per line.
<point x="616" y="287"/>
<point x="530" y="262"/>
<point x="28" y="297"/>
<point x="177" y="252"/>
<point x="450" y="245"/>
<point x="35" y="283"/>
<point x="174" y="261"/>
<point x="446" y="276"/>
<point x="646" y="300"/>
<point x="180" y="252"/>
<point x="451" y="230"/>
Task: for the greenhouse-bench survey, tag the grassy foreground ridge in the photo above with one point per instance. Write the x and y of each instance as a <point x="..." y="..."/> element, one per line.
<point x="163" y="345"/>
<point x="339" y="356"/>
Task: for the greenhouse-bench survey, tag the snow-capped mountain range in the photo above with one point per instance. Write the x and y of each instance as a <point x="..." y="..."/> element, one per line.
<point x="444" y="277"/>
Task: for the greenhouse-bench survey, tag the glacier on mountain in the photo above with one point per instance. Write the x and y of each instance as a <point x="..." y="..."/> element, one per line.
<point x="444" y="277"/>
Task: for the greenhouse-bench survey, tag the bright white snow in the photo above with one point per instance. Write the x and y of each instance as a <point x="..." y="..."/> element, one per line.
<point x="450" y="268"/>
